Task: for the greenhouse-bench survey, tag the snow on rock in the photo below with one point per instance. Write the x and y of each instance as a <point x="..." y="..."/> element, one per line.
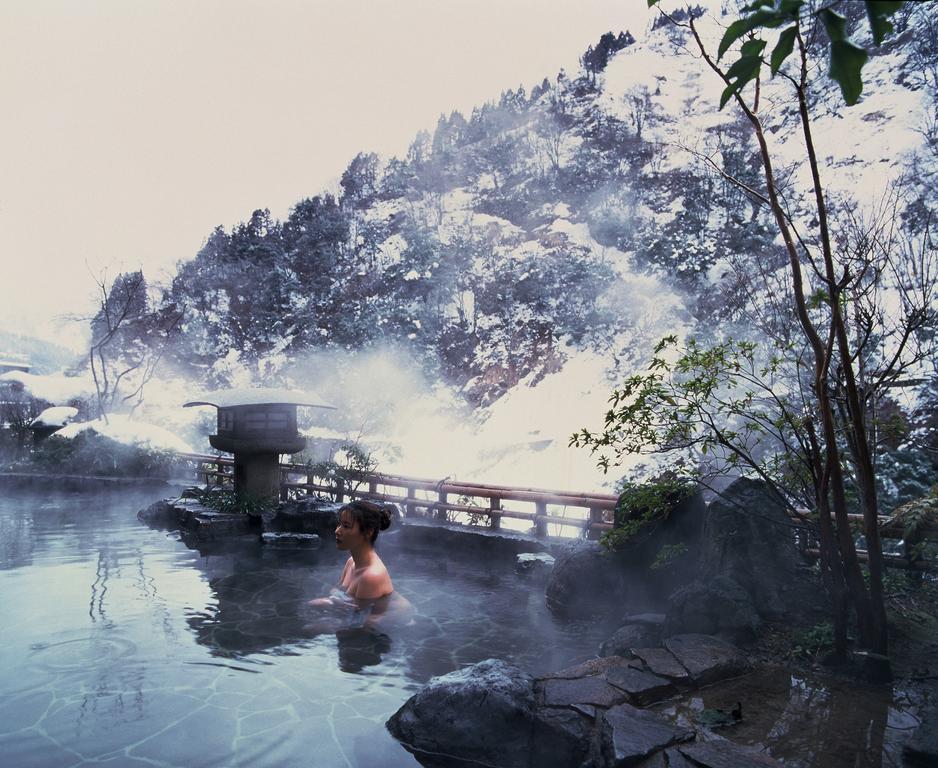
<point x="129" y="432"/>
<point x="53" y="388"/>
<point x="57" y="416"/>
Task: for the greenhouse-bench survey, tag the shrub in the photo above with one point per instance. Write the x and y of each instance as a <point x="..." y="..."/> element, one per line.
<point x="227" y="500"/>
<point x="642" y="506"/>
<point x="90" y="453"/>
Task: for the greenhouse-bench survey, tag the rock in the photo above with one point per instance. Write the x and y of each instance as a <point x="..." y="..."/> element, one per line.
<point x="718" y="606"/>
<point x="309" y="515"/>
<point x="747" y="536"/>
<point x="291" y="540"/>
<point x="423" y="533"/>
<point x="486" y="714"/>
<point x="662" y="662"/>
<point x="198" y="522"/>
<point x="629" y="735"/>
<point x="562" y="737"/>
<point x="585" y="580"/>
<point x="210" y="525"/>
<point x="668" y="758"/>
<point x="725" y="754"/>
<point x="922" y="749"/>
<point x="561" y="692"/>
<point x="642" y="687"/>
<point x="159" y="513"/>
<point x="706" y="658"/>
<point x="591" y="667"/>
<point x="628" y="637"/>
<point x="483" y="713"/>
<point x="534" y="564"/>
<point x="654" y="620"/>
<point x="680" y="532"/>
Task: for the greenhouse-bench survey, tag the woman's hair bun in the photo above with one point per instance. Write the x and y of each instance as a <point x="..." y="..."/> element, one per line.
<point x="385" y="518"/>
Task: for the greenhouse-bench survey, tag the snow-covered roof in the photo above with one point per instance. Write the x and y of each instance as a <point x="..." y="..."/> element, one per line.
<point x="260" y="396"/>
<point x="125" y="430"/>
<point x="56" y="416"/>
<point x="55" y="388"/>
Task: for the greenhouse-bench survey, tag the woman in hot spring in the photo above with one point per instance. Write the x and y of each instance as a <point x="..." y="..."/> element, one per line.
<point x="364" y="595"/>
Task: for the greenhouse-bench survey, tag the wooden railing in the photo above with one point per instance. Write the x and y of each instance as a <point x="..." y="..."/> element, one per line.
<point x="548" y="511"/>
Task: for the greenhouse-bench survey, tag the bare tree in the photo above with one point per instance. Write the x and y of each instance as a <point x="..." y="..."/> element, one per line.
<point x="127" y="342"/>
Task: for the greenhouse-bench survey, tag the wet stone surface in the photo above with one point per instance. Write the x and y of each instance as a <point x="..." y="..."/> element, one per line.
<point x="662" y="662"/>
<point x="706" y="658"/>
<point x="631" y="734"/>
<point x="583" y="690"/>
<point x="641" y="687"/>
<point x="922" y="750"/>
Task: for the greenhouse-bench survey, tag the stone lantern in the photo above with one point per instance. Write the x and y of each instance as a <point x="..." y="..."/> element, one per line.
<point x="257" y="425"/>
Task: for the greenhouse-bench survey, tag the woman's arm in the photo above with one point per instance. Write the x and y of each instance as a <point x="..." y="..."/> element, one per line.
<point x="337" y="595"/>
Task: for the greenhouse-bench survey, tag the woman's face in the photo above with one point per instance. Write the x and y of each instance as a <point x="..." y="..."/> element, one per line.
<point x="348" y="533"/>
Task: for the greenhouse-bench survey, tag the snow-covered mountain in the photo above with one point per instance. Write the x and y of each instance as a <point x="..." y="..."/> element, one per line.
<point x="470" y="305"/>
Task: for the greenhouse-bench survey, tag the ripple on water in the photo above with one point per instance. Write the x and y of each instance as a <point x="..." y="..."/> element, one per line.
<point x="79" y="653"/>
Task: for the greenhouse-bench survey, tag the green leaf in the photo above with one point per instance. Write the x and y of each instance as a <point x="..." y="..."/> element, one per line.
<point x="784" y="47"/>
<point x="847" y="60"/>
<point x="835" y="24"/>
<point x="791" y="8"/>
<point x="744" y="69"/>
<point x="763" y="17"/>
<point x="878" y="12"/>
<point x="652" y="3"/>
<point x="735" y="31"/>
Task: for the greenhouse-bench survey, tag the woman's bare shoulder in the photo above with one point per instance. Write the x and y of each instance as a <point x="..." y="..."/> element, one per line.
<point x="374" y="582"/>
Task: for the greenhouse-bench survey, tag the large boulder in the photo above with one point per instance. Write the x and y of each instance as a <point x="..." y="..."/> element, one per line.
<point x="749" y="569"/>
<point x="487" y="714"/>
<point x="310" y="515"/>
<point x="585" y="580"/>
<point x="748" y="536"/>
<point x="719" y="606"/>
<point x="627" y="637"/>
<point x="663" y="554"/>
<point x="484" y="712"/>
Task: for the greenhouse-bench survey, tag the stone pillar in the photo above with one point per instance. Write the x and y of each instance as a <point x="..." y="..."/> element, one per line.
<point x="257" y="476"/>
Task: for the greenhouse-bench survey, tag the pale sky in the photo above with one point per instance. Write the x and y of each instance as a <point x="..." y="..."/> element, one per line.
<point x="131" y="128"/>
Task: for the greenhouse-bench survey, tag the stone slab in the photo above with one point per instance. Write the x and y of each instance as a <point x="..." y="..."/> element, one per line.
<point x="291" y="540"/>
<point x="706" y="658"/>
<point x="587" y="709"/>
<point x="662" y="662"/>
<point x="631" y="735"/>
<point x="584" y="690"/>
<point x="591" y="667"/>
<point x="648" y="619"/>
<point x="667" y="758"/>
<point x="922" y="749"/>
<point x="726" y="754"/>
<point x="642" y="687"/>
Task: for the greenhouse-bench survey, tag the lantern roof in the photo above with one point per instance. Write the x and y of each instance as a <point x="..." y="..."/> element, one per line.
<point x="230" y="398"/>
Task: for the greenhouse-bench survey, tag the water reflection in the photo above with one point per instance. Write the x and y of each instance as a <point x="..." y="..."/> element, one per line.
<point x="818" y="721"/>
